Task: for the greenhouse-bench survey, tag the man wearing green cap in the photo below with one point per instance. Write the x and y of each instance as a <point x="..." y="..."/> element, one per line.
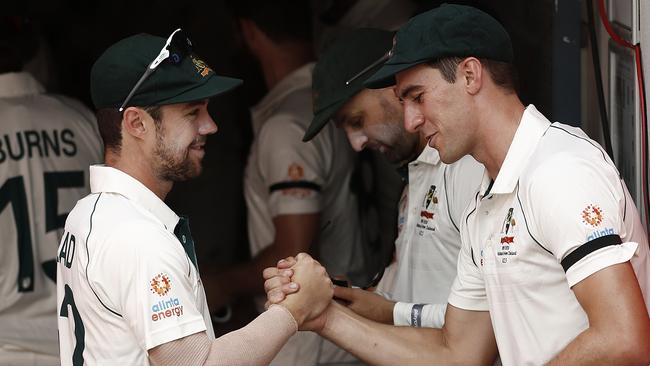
<point x="431" y="206"/>
<point x="554" y="261"/>
<point x="128" y="289"/>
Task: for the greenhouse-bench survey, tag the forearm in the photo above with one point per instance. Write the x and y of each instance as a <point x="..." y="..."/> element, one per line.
<point x="593" y="347"/>
<point x="419" y="315"/>
<point x="257" y="343"/>
<point x="381" y="344"/>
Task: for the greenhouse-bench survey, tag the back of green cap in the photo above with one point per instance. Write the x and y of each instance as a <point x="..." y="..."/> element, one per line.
<point x="351" y="53"/>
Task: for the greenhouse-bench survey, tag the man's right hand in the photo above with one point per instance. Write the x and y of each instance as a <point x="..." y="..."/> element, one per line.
<point x="315" y="289"/>
<point x="366" y="303"/>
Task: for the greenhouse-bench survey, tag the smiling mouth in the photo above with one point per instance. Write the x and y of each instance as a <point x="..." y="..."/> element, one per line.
<point x="430" y="137"/>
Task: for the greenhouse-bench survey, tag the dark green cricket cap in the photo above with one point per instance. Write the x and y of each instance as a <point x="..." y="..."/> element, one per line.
<point x="120" y="67"/>
<point x="347" y="57"/>
<point x="447" y="31"/>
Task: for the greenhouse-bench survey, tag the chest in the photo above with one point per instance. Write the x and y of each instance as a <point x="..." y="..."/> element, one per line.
<point x="424" y="206"/>
<point x="504" y="247"/>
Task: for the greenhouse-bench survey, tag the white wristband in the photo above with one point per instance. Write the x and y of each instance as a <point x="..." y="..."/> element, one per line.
<point x="419" y="315"/>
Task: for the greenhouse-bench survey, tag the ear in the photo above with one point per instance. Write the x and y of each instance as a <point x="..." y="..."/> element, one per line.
<point x="249" y="31"/>
<point x="470" y="72"/>
<point x="136" y="122"/>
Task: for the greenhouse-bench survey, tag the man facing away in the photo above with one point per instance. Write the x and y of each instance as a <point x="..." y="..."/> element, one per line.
<point x="46" y="143"/>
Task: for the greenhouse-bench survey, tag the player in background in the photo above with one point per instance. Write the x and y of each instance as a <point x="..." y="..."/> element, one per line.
<point x="46" y="144"/>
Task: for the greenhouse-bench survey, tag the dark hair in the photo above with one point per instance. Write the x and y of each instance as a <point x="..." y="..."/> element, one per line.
<point x="281" y="20"/>
<point x="503" y="74"/>
<point x="109" y="122"/>
<point x="18" y="42"/>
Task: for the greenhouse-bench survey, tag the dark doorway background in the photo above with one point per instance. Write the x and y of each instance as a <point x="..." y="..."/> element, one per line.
<point x="75" y="33"/>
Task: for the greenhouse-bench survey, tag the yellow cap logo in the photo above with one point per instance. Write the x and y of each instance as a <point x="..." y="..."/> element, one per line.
<point x="201" y="67"/>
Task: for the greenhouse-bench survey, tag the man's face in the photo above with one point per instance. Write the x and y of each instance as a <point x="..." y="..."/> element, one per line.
<point x="440" y="111"/>
<point x="180" y="140"/>
<point x="373" y="119"/>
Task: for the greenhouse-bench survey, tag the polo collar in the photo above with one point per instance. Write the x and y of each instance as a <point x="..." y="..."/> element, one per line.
<point x="297" y="80"/>
<point x="532" y="127"/>
<point x="110" y="180"/>
<point x="19" y="84"/>
<point x="429" y="156"/>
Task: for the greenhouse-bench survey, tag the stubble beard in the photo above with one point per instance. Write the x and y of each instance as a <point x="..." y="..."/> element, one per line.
<point x="170" y="168"/>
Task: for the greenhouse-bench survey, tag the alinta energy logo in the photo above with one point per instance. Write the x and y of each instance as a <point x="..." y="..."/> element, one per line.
<point x="592" y="215"/>
<point x="161" y="284"/>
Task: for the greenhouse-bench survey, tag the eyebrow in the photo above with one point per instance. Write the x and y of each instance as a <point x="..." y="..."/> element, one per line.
<point x="196" y="103"/>
<point x="408" y="90"/>
<point x="345" y="118"/>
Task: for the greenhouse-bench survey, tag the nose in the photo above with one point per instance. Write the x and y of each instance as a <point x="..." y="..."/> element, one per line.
<point x="413" y="118"/>
<point x="207" y="126"/>
<point x="358" y="139"/>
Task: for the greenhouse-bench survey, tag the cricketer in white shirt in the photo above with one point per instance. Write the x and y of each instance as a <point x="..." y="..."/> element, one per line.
<point x="557" y="212"/>
<point x="127" y="276"/>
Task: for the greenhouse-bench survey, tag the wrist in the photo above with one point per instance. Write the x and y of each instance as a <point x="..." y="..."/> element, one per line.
<point x="389" y="307"/>
<point x="332" y="313"/>
<point x="299" y="315"/>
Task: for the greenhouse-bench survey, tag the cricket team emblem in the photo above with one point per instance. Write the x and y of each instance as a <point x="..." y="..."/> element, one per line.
<point x="201" y="67"/>
<point x="508" y="228"/>
<point x="427" y="213"/>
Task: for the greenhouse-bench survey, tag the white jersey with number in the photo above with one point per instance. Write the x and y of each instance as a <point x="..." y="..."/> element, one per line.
<point x="127" y="273"/>
<point x="46" y="145"/>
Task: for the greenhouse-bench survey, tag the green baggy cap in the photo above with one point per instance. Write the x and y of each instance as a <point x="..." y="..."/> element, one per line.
<point x="447" y="31"/>
<point x="120" y="67"/>
<point x="349" y="55"/>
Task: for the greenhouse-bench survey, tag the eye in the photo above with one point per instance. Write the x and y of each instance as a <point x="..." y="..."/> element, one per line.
<point x="418" y="98"/>
<point x="356" y="123"/>
<point x="193" y="112"/>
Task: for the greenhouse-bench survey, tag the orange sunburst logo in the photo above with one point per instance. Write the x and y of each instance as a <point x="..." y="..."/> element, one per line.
<point x="161" y="284"/>
<point x="592" y="215"/>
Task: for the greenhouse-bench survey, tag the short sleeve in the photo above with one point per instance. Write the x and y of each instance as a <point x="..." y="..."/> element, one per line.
<point x="468" y="289"/>
<point x="578" y="210"/>
<point x="294" y="171"/>
<point x="151" y="285"/>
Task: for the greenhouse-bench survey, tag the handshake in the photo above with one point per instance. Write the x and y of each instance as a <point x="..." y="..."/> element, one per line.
<point x="303" y="287"/>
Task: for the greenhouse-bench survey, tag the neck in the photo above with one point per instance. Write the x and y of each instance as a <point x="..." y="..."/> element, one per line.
<point x="139" y="169"/>
<point x="498" y="123"/>
<point x="279" y="60"/>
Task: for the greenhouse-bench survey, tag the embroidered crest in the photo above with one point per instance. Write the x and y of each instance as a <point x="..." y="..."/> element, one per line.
<point x="201" y="67"/>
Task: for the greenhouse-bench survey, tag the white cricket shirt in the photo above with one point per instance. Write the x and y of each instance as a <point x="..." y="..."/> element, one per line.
<point x="126" y="283"/>
<point x="430" y="211"/>
<point x="556" y="213"/>
<point x="46" y="144"/>
<point x="285" y="175"/>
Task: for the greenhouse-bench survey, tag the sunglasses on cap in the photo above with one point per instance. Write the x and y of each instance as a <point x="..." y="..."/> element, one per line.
<point x="177" y="47"/>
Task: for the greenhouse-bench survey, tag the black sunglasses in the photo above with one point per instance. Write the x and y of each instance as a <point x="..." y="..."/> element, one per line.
<point x="177" y="47"/>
